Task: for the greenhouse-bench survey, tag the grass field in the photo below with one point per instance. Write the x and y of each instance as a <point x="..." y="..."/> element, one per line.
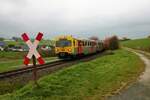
<point x="15" y="64"/>
<point x="21" y="42"/>
<point x="13" y="60"/>
<point x="14" y="42"/>
<point x="142" y="44"/>
<point x="4" y="56"/>
<point x="88" y="80"/>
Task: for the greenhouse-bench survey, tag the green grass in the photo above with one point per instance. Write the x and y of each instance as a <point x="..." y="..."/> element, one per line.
<point x="15" y="64"/>
<point x="42" y="42"/>
<point x="10" y="65"/>
<point x="47" y="42"/>
<point x="12" y="60"/>
<point x="7" y="86"/>
<point x="88" y="80"/>
<point x="11" y="55"/>
<point x="142" y="44"/>
<point x="14" y="42"/>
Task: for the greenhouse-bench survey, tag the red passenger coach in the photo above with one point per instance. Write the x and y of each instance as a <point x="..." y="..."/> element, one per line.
<point x="80" y="47"/>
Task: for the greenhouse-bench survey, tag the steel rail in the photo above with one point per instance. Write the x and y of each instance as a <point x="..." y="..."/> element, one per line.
<point x="28" y="69"/>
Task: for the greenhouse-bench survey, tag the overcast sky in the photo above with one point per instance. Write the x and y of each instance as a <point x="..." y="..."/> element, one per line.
<point x="81" y="18"/>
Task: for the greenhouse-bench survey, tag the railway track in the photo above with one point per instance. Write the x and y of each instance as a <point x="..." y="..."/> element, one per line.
<point x="29" y="69"/>
<point x="9" y="81"/>
<point x="52" y="65"/>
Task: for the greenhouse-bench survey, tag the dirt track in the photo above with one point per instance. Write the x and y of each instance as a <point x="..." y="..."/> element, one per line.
<point x="141" y="89"/>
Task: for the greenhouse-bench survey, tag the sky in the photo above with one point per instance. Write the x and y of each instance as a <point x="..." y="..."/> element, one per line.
<point x="80" y="18"/>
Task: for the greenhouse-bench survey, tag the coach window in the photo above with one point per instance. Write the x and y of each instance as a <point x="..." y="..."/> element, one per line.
<point x="85" y="43"/>
<point x="77" y="43"/>
<point x="82" y="43"/>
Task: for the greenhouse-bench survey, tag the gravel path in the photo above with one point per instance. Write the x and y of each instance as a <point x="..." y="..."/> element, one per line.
<point x="141" y="89"/>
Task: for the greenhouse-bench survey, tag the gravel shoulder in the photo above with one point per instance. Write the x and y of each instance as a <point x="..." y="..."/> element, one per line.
<point x="140" y="90"/>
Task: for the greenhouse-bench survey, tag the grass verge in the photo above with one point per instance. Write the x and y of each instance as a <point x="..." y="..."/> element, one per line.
<point x="141" y="44"/>
<point x="15" y="64"/>
<point x="9" y="85"/>
<point x="89" y="80"/>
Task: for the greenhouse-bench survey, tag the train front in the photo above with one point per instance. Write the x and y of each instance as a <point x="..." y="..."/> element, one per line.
<point x="63" y="48"/>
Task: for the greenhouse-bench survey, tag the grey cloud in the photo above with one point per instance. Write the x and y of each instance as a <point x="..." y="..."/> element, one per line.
<point x="53" y="21"/>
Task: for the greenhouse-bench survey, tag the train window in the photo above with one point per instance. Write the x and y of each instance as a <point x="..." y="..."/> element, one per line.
<point x="88" y="43"/>
<point x="63" y="43"/>
<point x="82" y="43"/>
<point x="85" y="43"/>
<point x="74" y="42"/>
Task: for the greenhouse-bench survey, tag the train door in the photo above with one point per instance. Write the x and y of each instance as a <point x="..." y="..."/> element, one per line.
<point x="80" y="47"/>
<point x="92" y="47"/>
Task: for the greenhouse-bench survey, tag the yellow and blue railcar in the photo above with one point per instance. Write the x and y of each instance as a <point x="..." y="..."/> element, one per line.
<point x="69" y="47"/>
<point x="66" y="46"/>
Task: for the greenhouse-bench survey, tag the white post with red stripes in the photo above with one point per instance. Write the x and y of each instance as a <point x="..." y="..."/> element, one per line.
<point x="32" y="48"/>
<point x="33" y="53"/>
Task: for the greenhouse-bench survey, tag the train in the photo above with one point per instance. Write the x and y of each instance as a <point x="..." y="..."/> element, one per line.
<point x="70" y="47"/>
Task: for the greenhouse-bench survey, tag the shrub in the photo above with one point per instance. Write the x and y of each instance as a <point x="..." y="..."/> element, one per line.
<point x="111" y="43"/>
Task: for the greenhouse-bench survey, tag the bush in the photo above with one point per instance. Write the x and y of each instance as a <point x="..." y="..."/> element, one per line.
<point x="111" y="43"/>
<point x="11" y="45"/>
<point x="47" y="53"/>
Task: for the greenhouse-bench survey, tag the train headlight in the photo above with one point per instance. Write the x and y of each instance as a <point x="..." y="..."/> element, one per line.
<point x="69" y="50"/>
<point x="57" y="50"/>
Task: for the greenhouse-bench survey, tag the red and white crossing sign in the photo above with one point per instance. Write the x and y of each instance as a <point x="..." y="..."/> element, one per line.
<point x="32" y="48"/>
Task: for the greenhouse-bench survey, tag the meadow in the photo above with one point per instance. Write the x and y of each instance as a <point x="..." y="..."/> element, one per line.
<point x="10" y="60"/>
<point x="141" y="44"/>
<point x="16" y="64"/>
<point x="21" y="42"/>
<point x="89" y="80"/>
<point x="13" y="60"/>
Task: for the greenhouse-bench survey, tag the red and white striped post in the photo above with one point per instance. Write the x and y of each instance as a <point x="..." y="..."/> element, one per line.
<point x="33" y="53"/>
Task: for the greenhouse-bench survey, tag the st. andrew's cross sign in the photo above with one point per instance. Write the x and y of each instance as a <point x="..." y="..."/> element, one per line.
<point x="32" y="48"/>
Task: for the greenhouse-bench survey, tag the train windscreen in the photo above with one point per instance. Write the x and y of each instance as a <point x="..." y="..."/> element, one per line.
<point x="63" y="43"/>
